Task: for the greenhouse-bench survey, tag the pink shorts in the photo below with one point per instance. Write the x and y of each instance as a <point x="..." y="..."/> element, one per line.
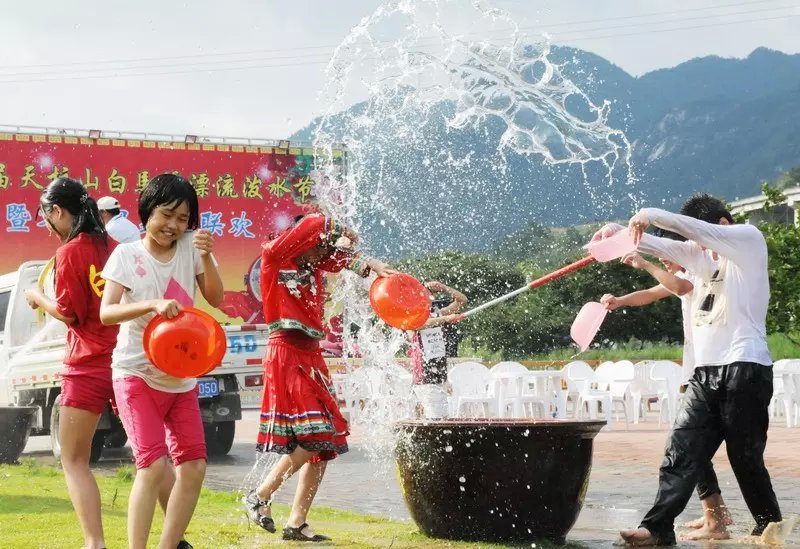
<point x="160" y="423"/>
<point x="86" y="388"/>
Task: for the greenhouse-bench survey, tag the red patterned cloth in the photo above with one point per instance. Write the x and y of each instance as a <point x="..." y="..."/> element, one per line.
<point x="299" y="404"/>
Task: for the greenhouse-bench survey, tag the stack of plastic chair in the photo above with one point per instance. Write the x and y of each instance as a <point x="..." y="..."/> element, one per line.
<point x="582" y="381"/>
<point x="368" y="395"/>
<point x="358" y="394"/>
<point x="341" y="384"/>
<point x="616" y="378"/>
<point x="666" y="377"/>
<point x="786" y="393"/>
<point x="512" y="391"/>
<point x="397" y="391"/>
<point x="470" y="384"/>
<point x="642" y="388"/>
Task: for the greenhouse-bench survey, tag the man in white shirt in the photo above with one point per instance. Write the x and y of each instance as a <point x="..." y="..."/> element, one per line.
<point x="118" y="227"/>
<point x="729" y="394"/>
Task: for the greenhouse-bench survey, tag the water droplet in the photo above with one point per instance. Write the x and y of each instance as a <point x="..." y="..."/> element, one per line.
<point x="462" y="479"/>
<point x="448" y="448"/>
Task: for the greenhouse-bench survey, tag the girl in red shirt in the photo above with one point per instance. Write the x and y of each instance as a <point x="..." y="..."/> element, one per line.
<point x="86" y="387"/>
<point x="299" y="414"/>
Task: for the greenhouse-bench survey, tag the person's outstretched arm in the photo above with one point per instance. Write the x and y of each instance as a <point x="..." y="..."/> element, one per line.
<point x="635" y="299"/>
<point x="459" y="299"/>
<point x="735" y="242"/>
<point x="675" y="284"/>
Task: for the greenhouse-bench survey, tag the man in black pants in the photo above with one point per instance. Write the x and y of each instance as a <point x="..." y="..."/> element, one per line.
<point x="729" y="394"/>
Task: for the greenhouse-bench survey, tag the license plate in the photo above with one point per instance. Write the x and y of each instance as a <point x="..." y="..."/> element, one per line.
<point x="208" y="387"/>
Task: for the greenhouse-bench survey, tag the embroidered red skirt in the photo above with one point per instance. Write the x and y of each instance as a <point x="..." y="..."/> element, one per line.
<point x="299" y="405"/>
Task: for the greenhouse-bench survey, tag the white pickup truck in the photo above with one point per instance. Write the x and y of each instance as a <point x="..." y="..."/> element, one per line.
<point x="32" y="351"/>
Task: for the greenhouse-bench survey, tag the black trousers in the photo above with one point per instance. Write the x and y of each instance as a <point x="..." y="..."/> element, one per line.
<point x="707" y="483"/>
<point x="721" y="403"/>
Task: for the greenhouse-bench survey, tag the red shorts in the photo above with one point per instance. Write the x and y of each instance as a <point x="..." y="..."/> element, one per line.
<point x="160" y="423"/>
<point x="299" y="405"/>
<point x="86" y="387"/>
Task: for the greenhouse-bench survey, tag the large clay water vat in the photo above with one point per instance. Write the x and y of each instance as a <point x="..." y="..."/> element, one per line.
<point x="498" y="480"/>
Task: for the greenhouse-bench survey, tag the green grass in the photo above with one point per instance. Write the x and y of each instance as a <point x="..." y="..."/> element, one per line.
<point x="782" y="347"/>
<point x="35" y="512"/>
<point x="629" y="351"/>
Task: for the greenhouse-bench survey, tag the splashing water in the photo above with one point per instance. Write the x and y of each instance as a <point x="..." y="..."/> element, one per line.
<point x="433" y="74"/>
<point x="431" y="91"/>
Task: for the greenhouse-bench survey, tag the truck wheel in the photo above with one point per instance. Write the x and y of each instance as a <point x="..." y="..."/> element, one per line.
<point x="219" y="437"/>
<point x="116" y="437"/>
<point x="98" y="440"/>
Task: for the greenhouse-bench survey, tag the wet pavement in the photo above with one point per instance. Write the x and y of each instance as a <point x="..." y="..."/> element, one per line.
<point x="621" y="489"/>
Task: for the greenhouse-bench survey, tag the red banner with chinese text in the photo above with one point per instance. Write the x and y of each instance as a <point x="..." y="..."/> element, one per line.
<point x="245" y="192"/>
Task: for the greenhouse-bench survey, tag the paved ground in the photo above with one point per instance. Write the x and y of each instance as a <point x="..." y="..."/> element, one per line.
<point x="621" y="488"/>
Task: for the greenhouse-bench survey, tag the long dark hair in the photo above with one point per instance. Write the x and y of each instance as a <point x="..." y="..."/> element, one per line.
<point x="71" y="195"/>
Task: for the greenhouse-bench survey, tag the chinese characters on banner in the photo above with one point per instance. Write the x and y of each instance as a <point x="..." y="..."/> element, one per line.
<point x="245" y="193"/>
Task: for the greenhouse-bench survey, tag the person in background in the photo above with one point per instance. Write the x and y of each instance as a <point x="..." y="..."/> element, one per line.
<point x="118" y="227"/>
<point x="431" y="345"/>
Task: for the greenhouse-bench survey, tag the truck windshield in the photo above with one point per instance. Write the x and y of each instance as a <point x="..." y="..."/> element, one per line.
<point x="4" y="299"/>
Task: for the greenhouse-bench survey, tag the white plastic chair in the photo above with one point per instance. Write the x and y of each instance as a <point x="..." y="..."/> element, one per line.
<point x="573" y="387"/>
<point x="363" y="386"/>
<point x="512" y="391"/>
<point x="397" y="391"/>
<point x="581" y="378"/>
<point x="341" y="384"/>
<point x="375" y="393"/>
<point x="616" y="378"/>
<point x="786" y="391"/>
<point x="507" y="367"/>
<point x="470" y="382"/>
<point x="642" y="388"/>
<point x="666" y="376"/>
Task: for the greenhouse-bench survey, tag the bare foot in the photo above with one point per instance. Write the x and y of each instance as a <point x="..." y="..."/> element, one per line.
<point x="714" y="511"/>
<point x="695" y="524"/>
<point x="727" y="520"/>
<point x="641" y="537"/>
<point x="709" y="531"/>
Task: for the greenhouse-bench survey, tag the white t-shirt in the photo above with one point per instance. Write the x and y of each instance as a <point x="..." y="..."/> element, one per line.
<point x="688" y="337"/>
<point x="132" y="266"/>
<point x="123" y="230"/>
<point x="731" y="295"/>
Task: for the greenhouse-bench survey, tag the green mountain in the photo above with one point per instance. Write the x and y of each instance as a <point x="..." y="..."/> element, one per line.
<point x="711" y="124"/>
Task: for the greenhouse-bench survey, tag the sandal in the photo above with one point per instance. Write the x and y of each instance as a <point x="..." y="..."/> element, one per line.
<point x="183" y="544"/>
<point x="253" y="505"/>
<point x="296" y="534"/>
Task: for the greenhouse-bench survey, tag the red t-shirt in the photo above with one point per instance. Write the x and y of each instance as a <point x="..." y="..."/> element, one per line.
<point x="79" y="287"/>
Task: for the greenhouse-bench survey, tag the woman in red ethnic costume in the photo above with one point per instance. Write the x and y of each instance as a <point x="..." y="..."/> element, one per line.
<point x="300" y="417"/>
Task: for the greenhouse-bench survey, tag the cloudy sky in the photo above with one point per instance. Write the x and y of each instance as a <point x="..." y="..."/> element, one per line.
<point x="254" y="68"/>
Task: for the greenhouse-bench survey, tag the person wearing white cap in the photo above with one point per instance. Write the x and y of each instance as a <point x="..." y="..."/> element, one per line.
<point x="118" y="227"/>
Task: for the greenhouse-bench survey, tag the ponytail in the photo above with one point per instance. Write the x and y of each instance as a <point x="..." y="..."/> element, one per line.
<point x="72" y="196"/>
